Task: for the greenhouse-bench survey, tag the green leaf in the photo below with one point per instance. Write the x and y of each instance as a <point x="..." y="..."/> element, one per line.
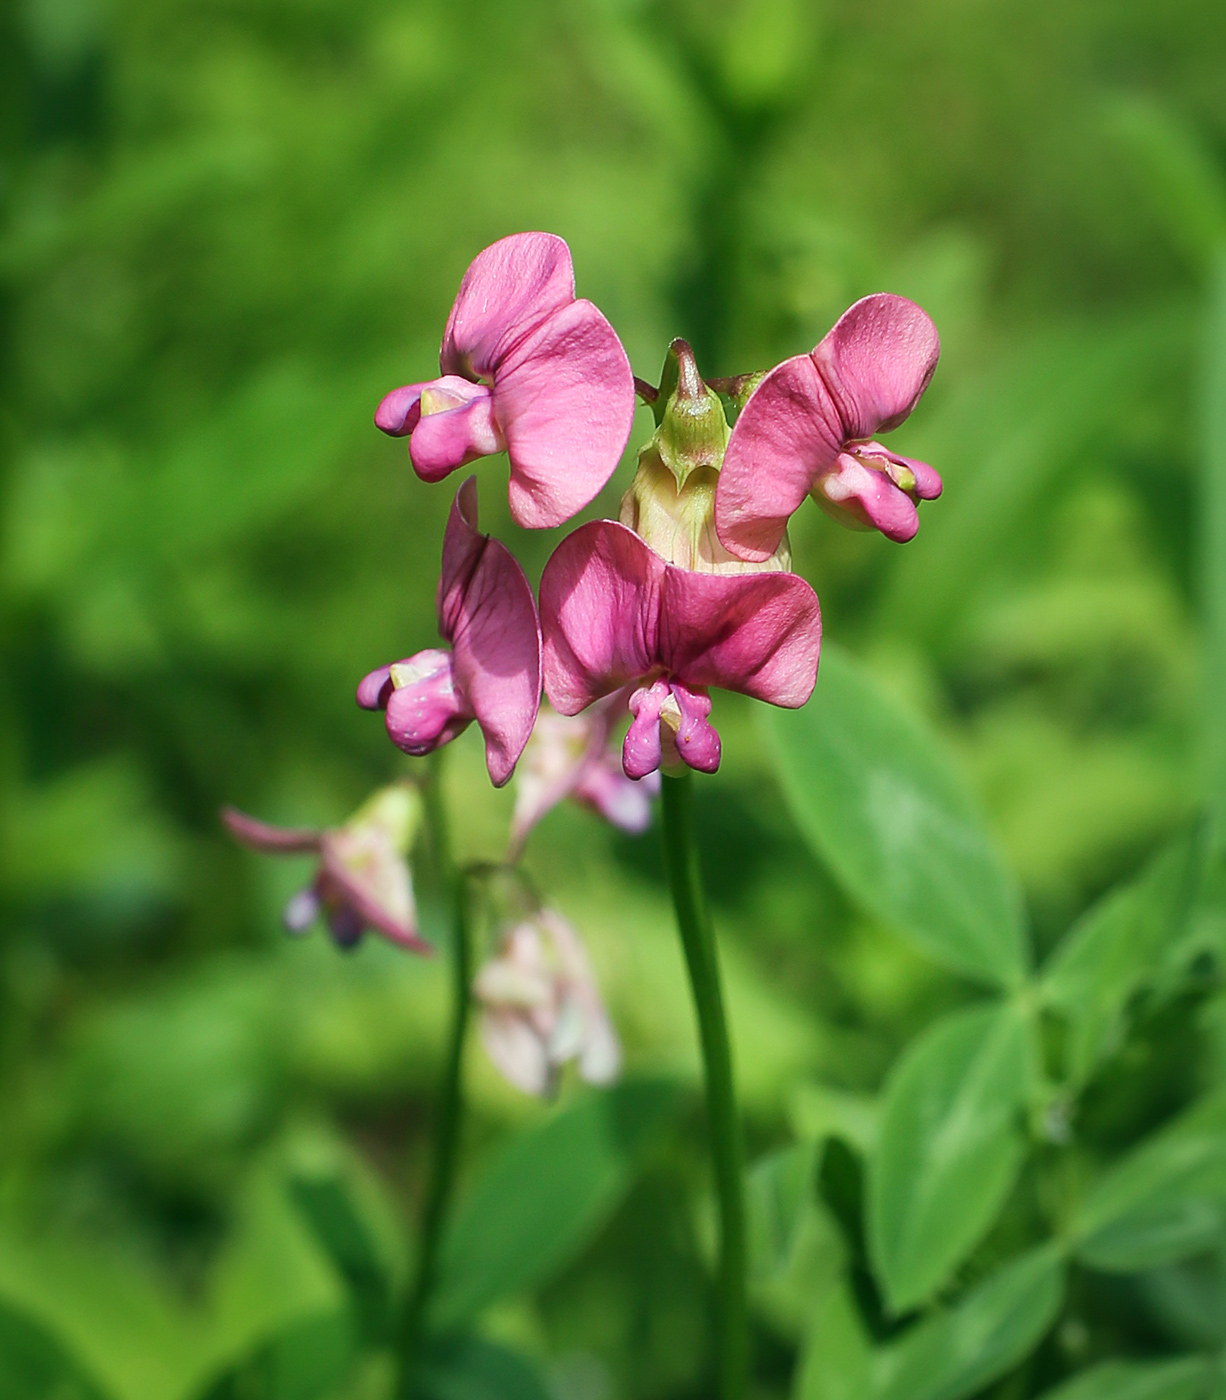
<point x="956" y="1353"/>
<point x="35" y="1366"/>
<point x="837" y="1362"/>
<point x="1213" y="532"/>
<point x="1164" y="1201"/>
<point x="471" y="1368"/>
<point x="949" y="1147"/>
<point x="329" y="1209"/>
<point x="1115" y="949"/>
<point x="817" y="1112"/>
<point x="305" y="1360"/>
<point x="1186" y="1379"/>
<point x="879" y="802"/>
<point x="795" y="1250"/>
<point x="544" y="1197"/>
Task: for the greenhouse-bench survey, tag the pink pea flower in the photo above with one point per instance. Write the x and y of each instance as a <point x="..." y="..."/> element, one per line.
<point x="615" y="613"/>
<point x="492" y="673"/>
<point x="809" y="429"/>
<point x="526" y="369"/>
<point x="541" y="1008"/>
<point x="363" y="880"/>
<point x="570" y="756"/>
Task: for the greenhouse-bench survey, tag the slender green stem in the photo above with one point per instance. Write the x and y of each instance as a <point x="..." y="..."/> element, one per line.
<point x="450" y="1100"/>
<point x="702" y="958"/>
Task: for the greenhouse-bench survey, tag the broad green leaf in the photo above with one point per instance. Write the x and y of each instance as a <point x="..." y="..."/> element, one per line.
<point x="795" y="1250"/>
<point x="1186" y="1379"/>
<point x="472" y="1368"/>
<point x="329" y="1209"/>
<point x="949" y="1147"/>
<point x="955" y="1353"/>
<point x="818" y="1112"/>
<point x="1115" y="948"/>
<point x="1164" y="1201"/>
<point x="305" y="1360"/>
<point x="871" y="790"/>
<point x="545" y="1195"/>
<point x="836" y="1364"/>
<point x="34" y="1365"/>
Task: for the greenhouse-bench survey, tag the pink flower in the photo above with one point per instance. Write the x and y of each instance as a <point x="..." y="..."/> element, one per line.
<point x="363" y="879"/>
<point x="542" y="1008"/>
<point x="492" y="673"/>
<point x="570" y="756"/>
<point x="526" y="369"/>
<point x="615" y="613"/>
<point x="809" y="428"/>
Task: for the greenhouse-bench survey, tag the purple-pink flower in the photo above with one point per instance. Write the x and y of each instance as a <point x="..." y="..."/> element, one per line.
<point x="527" y="369"/>
<point x="570" y="756"/>
<point x="363" y="879"/>
<point x="809" y="429"/>
<point x="614" y="613"/>
<point x="492" y="673"/>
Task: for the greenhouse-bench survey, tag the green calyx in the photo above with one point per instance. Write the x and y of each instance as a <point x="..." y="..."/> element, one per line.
<point x="691" y="429"/>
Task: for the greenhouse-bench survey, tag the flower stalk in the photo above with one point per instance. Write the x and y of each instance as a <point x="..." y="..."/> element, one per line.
<point x="451" y="1097"/>
<point x="723" y="1121"/>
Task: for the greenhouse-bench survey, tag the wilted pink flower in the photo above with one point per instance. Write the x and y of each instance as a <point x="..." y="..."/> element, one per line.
<point x="808" y="429"/>
<point x="542" y="1008"/>
<point x="570" y="756"/>
<point x="615" y="613"/>
<point x="363" y="879"/>
<point x="526" y="369"/>
<point x="492" y="673"/>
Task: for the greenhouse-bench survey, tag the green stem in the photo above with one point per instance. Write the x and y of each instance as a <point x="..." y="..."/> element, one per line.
<point x="702" y="959"/>
<point x="450" y="1103"/>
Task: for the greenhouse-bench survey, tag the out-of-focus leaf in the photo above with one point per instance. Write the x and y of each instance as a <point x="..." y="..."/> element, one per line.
<point x="837" y="1362"/>
<point x="1115" y="948"/>
<point x="957" y="1352"/>
<point x="1189" y="1298"/>
<point x="305" y="1360"/>
<point x="817" y="1112"/>
<point x="545" y="1196"/>
<point x="1164" y="1201"/>
<point x="949" y="1147"/>
<point x="795" y="1251"/>
<point x="472" y="1368"/>
<point x="1186" y="1379"/>
<point x="34" y="1365"/>
<point x="337" y="1223"/>
<point x="1213" y="536"/>
<point x="870" y="788"/>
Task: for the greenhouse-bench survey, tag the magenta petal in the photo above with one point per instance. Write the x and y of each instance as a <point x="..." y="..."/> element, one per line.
<point x="487" y="612"/>
<point x="367" y="892"/>
<point x="564" y="399"/>
<point x="399" y="411"/>
<point x="426" y="708"/>
<point x="375" y="688"/>
<point x="272" y="840"/>
<point x="877" y="361"/>
<point x="452" y="437"/>
<point x="759" y="634"/>
<point x="695" y="738"/>
<point x="787" y="434"/>
<point x="927" y="479"/>
<point x="623" y="801"/>
<point x="861" y="495"/>
<point x="642" y="751"/>
<point x="509" y="287"/>
<point x="600" y="604"/>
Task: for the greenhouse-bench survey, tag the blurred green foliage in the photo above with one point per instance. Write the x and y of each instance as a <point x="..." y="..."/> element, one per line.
<point x="225" y="230"/>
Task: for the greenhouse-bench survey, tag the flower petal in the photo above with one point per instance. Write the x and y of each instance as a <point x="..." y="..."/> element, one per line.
<point x="564" y="400"/>
<point x="876" y="361"/>
<point x="856" y="494"/>
<point x="425" y="709"/>
<point x="452" y="437"/>
<point x="363" y="873"/>
<point x="399" y="411"/>
<point x="488" y="614"/>
<point x="600" y="604"/>
<point x="787" y="434"/>
<point x="375" y="688"/>
<point x="625" y="802"/>
<point x="509" y="287"/>
<point x="272" y="840"/>
<point x="759" y="634"/>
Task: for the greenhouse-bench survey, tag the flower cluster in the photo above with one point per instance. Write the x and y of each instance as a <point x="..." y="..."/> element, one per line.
<point x="690" y="589"/>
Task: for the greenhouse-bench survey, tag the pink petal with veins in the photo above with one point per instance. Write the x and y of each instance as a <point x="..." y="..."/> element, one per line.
<point x="787" y="434"/>
<point x="600" y="602"/>
<point x="876" y="361"/>
<point x="564" y="400"/>
<point x="509" y="287"/>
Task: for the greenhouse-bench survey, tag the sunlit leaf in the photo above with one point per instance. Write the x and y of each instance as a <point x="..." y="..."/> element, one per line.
<point x="836" y="1363"/>
<point x="1186" y="1379"/>
<point x="34" y="1365"/>
<point x="336" y="1221"/>
<point x="872" y="791"/>
<point x="544" y="1196"/>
